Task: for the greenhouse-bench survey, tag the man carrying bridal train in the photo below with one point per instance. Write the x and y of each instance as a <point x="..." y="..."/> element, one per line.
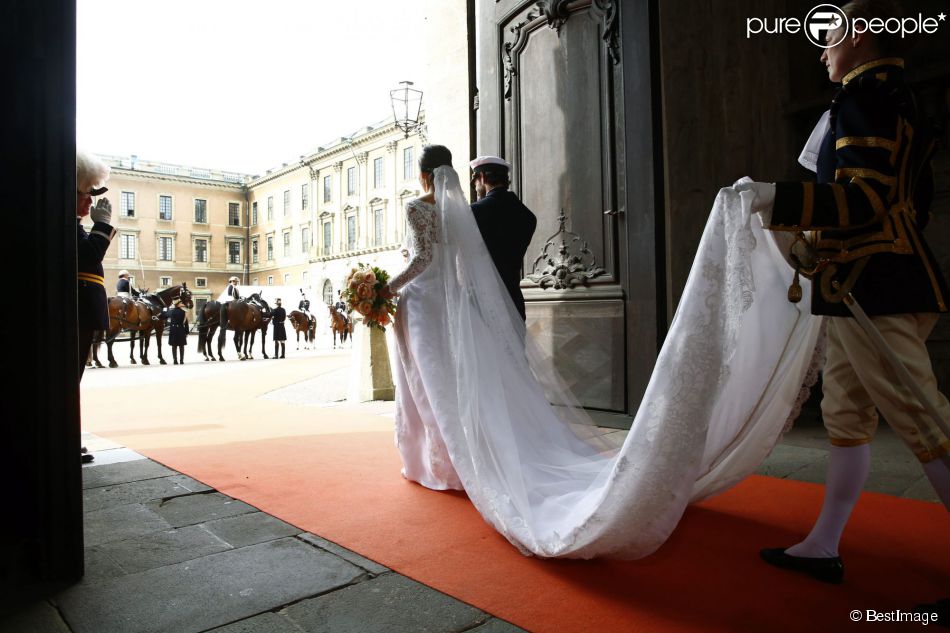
<point x="871" y="204"/>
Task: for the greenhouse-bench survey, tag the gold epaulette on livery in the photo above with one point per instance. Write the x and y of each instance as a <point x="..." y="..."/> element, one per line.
<point x="92" y="278"/>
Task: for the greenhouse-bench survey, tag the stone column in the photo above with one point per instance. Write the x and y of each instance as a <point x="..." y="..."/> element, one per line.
<point x="370" y="375"/>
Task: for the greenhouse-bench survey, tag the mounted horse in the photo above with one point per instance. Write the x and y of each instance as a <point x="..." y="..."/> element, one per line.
<point x="141" y="315"/>
<point x="305" y="323"/>
<point x="340" y="325"/>
<point x="245" y="317"/>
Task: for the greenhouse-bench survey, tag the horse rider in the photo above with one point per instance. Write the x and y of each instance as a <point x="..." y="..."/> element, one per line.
<point x="304" y="305"/>
<point x="340" y="306"/>
<point x="124" y="287"/>
<point x="232" y="295"/>
<point x="278" y="316"/>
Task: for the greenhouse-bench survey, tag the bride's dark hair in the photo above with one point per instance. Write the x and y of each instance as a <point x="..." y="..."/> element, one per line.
<point x="434" y="156"/>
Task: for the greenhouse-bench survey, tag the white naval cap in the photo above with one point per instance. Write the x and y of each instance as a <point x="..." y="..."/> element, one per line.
<point x="487" y="162"/>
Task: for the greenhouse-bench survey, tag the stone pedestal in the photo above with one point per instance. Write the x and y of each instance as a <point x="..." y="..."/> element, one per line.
<point x="370" y="375"/>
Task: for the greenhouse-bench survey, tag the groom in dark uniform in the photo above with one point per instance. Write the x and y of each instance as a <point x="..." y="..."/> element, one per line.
<point x="507" y="226"/>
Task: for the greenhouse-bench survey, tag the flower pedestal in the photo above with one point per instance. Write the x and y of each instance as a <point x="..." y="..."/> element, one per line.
<point x="371" y="377"/>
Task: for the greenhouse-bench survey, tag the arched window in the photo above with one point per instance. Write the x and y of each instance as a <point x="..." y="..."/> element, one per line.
<point x="328" y="292"/>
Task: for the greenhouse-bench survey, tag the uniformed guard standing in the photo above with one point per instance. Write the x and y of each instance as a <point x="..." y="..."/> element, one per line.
<point x="506" y="224"/>
<point x="870" y="205"/>
<point x="177" y="331"/>
<point x="92" y="302"/>
<point x="278" y="316"/>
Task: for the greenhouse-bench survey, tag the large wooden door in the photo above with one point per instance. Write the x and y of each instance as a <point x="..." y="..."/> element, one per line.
<point x="551" y="84"/>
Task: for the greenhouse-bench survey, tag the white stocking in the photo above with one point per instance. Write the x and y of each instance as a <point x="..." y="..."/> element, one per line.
<point x="847" y="471"/>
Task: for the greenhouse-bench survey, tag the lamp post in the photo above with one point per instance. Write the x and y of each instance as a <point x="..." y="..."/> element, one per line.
<point x="407" y="104"/>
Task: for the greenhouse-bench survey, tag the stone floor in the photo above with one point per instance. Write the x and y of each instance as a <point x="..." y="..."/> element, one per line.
<point x="165" y="553"/>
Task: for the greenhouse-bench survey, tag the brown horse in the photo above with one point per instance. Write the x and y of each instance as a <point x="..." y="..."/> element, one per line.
<point x="141" y="315"/>
<point x="341" y="326"/>
<point x="246" y="317"/>
<point x="305" y="323"/>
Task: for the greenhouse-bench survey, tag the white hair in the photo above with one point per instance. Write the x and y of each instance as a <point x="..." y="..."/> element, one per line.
<point x="90" y="171"/>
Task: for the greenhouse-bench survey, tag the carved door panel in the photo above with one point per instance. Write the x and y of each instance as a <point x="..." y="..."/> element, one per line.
<point x="547" y="79"/>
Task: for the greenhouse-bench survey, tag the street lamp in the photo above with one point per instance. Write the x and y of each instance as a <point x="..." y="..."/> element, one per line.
<point x="407" y="103"/>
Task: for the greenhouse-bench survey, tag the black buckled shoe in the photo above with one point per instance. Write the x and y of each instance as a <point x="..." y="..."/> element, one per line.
<point x="830" y="570"/>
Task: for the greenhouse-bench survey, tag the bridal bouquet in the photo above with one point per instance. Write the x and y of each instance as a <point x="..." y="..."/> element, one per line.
<point x="364" y="290"/>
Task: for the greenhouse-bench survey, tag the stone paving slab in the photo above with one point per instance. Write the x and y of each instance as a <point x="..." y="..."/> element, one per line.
<point x="205" y="593"/>
<point x="198" y="508"/>
<point x="264" y="623"/>
<point x="121" y="523"/>
<point x="250" y="529"/>
<point x="140" y="492"/>
<point x="385" y="604"/>
<point x="36" y="617"/>
<point x="166" y="547"/>
<point x="99" y="565"/>
<point x="370" y="566"/>
<point x="497" y="626"/>
<point x="113" y="456"/>
<point x="785" y="460"/>
<point x="112" y="474"/>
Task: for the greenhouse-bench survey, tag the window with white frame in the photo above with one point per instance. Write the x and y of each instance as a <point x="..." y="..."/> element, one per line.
<point x="270" y="248"/>
<point x="164" y="207"/>
<point x="377" y="227"/>
<point x="270" y="280"/>
<point x="126" y="246"/>
<point x="286" y="279"/>
<point x="164" y="281"/>
<point x="166" y="248"/>
<point x="127" y="204"/>
<point x="254" y="213"/>
<point x="286" y="243"/>
<point x="201" y="211"/>
<point x="327" y="188"/>
<point x="305" y="239"/>
<point x="351" y="232"/>
<point x="270" y="208"/>
<point x="234" y="252"/>
<point x="378" y="173"/>
<point x="201" y="250"/>
<point x="303" y="279"/>
<point x="254" y="255"/>
<point x="408" y="168"/>
<point x="201" y="282"/>
<point x="286" y="202"/>
<point x="327" y="238"/>
<point x="304" y="195"/>
<point x="327" y="292"/>
<point x="351" y="181"/>
<point x="234" y="214"/>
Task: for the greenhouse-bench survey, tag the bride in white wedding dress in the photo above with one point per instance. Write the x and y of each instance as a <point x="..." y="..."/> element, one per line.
<point x="478" y="409"/>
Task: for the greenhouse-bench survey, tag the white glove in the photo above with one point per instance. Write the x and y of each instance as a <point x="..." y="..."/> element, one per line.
<point x="102" y="212"/>
<point x="764" y="195"/>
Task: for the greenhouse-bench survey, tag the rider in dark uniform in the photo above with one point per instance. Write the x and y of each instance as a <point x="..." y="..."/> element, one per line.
<point x="92" y="302"/>
<point x="506" y="225"/>
<point x="232" y="295"/>
<point x="177" y="331"/>
<point x="278" y="316"/>
<point x="340" y="306"/>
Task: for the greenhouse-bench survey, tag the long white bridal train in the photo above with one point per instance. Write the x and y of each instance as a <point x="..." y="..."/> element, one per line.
<point x="474" y="396"/>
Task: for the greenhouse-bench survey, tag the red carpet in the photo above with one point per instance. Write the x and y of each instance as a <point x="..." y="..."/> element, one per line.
<point x="346" y="487"/>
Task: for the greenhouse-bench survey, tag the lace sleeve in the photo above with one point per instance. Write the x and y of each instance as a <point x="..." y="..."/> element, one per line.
<point x="422" y="225"/>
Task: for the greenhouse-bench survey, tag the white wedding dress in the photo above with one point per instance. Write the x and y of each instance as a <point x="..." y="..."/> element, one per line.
<point x="474" y="395"/>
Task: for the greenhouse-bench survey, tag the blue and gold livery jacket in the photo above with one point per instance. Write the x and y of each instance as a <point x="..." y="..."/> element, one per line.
<point x="91" y="247"/>
<point x="871" y="201"/>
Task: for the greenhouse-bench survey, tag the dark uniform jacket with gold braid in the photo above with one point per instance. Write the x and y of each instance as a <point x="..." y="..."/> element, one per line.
<point x="871" y="201"/>
<point x="93" y="306"/>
